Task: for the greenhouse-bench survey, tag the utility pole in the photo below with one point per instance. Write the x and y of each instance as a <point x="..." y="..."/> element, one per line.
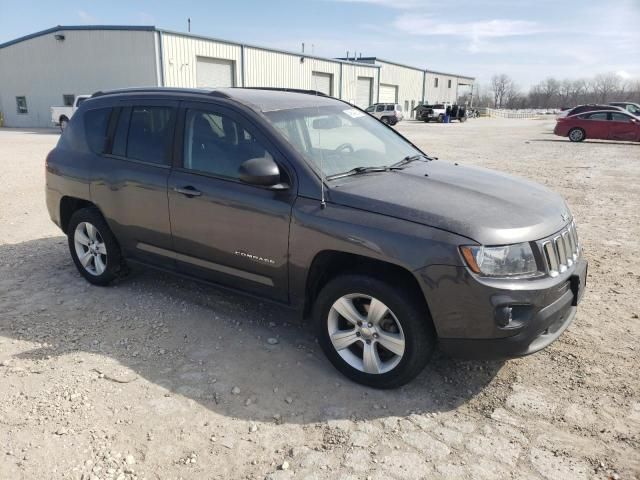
<point x="189" y="25"/>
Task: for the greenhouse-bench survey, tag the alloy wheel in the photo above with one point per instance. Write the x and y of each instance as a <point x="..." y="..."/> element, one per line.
<point x="90" y="248"/>
<point x="366" y="333"/>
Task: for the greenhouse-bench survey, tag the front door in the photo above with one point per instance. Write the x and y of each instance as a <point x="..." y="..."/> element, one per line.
<point x="623" y="127"/>
<point x="224" y="230"/>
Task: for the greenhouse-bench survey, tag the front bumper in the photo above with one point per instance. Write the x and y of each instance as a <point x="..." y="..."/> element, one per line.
<point x="473" y="326"/>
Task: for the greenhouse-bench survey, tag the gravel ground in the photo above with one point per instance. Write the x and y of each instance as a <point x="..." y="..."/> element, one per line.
<point x="158" y="377"/>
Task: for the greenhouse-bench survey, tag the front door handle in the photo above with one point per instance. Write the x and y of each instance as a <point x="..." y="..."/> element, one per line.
<point x="189" y="191"/>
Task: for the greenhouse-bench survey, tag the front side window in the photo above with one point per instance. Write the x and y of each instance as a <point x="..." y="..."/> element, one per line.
<point x="150" y="134"/>
<point x="620" y="117"/>
<point x="21" y="105"/>
<point x="335" y="139"/>
<point x="370" y="109"/>
<point x="96" y="123"/>
<point x="215" y="143"/>
<point x="598" y="116"/>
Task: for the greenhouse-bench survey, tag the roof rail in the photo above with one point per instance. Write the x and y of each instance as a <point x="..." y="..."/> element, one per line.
<point x="100" y="93"/>
<point x="292" y="90"/>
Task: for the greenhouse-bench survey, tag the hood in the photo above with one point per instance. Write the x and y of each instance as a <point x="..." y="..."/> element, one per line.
<point x="489" y="207"/>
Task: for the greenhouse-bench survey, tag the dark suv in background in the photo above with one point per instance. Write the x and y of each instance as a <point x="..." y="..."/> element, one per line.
<point x="312" y="203"/>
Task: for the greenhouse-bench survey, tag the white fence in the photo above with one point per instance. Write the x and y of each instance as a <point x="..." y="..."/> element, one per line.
<point x="525" y="113"/>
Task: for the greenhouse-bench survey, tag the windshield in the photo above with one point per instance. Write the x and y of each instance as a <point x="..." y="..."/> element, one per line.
<point x="337" y="138"/>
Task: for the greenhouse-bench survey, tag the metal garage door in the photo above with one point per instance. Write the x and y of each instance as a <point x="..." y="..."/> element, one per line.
<point x="388" y="93"/>
<point x="322" y="82"/>
<point x="214" y="72"/>
<point x="364" y="92"/>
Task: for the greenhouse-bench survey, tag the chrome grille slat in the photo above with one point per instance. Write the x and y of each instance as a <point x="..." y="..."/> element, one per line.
<point x="561" y="250"/>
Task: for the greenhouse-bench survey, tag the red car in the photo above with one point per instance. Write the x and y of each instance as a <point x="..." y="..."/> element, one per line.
<point x="601" y="125"/>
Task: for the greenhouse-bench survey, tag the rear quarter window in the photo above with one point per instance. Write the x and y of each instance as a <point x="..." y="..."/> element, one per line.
<point x="96" y="123"/>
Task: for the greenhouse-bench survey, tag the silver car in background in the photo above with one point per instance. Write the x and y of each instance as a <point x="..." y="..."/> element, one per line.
<point x="389" y="113"/>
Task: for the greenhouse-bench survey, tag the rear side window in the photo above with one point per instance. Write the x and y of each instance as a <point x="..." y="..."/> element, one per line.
<point x="390" y="108"/>
<point x="96" y="123"/>
<point x="150" y="134"/>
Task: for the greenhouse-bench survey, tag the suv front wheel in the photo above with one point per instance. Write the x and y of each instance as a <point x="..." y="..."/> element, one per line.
<point x="373" y="333"/>
<point x="93" y="247"/>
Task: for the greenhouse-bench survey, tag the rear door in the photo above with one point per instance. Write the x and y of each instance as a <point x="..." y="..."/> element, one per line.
<point x="129" y="183"/>
<point x="596" y="125"/>
<point x="224" y="230"/>
<point x="623" y="127"/>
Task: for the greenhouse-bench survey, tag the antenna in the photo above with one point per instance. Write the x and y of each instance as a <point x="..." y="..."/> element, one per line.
<point x="323" y="203"/>
<point x="189" y="25"/>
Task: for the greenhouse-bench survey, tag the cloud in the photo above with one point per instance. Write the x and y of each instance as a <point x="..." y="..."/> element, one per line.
<point x="86" y="17"/>
<point x="426" y="25"/>
<point x="623" y="74"/>
<point x="397" y="4"/>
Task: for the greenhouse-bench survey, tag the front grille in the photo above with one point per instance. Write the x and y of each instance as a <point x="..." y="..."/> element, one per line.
<point x="561" y="250"/>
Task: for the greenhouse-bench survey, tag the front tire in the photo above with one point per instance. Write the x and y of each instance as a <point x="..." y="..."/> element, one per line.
<point x="576" y="135"/>
<point x="374" y="333"/>
<point x="93" y="247"/>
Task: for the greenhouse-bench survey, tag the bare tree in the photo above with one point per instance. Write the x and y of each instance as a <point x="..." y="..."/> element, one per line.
<point x="605" y="85"/>
<point x="500" y="84"/>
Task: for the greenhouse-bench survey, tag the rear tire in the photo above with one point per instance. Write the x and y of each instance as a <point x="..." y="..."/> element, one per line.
<point x="93" y="247"/>
<point x="440" y="118"/>
<point x="385" y="120"/>
<point x="576" y="135"/>
<point x="389" y="316"/>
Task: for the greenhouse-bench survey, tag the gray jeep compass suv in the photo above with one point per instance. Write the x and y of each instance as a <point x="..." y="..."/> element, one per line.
<point x="308" y="201"/>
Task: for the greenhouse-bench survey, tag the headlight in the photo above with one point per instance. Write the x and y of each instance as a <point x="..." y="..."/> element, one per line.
<point x="506" y="261"/>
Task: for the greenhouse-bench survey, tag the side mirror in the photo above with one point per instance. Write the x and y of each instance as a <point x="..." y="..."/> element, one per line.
<point x="261" y="171"/>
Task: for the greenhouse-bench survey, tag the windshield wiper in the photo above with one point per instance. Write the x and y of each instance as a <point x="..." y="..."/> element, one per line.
<point x="358" y="171"/>
<point x="408" y="159"/>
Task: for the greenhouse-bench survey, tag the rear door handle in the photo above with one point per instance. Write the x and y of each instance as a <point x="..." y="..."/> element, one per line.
<point x="189" y="191"/>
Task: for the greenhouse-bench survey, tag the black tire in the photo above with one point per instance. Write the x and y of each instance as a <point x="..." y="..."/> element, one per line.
<point x="393" y="122"/>
<point x="112" y="260"/>
<point x="64" y="121"/>
<point x="385" y="120"/>
<point x="410" y="312"/>
<point x="463" y="119"/>
<point x="576" y="135"/>
<point x="440" y="118"/>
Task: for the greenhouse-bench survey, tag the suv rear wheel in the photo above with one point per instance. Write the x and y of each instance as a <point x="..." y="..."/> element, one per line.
<point x="385" y="120"/>
<point x="373" y="333"/>
<point x="93" y="247"/>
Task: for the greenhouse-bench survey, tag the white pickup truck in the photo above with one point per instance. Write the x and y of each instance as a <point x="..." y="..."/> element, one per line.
<point x="62" y="115"/>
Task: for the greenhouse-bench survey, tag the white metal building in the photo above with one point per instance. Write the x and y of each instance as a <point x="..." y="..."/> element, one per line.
<point x="410" y="86"/>
<point x="50" y="67"/>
